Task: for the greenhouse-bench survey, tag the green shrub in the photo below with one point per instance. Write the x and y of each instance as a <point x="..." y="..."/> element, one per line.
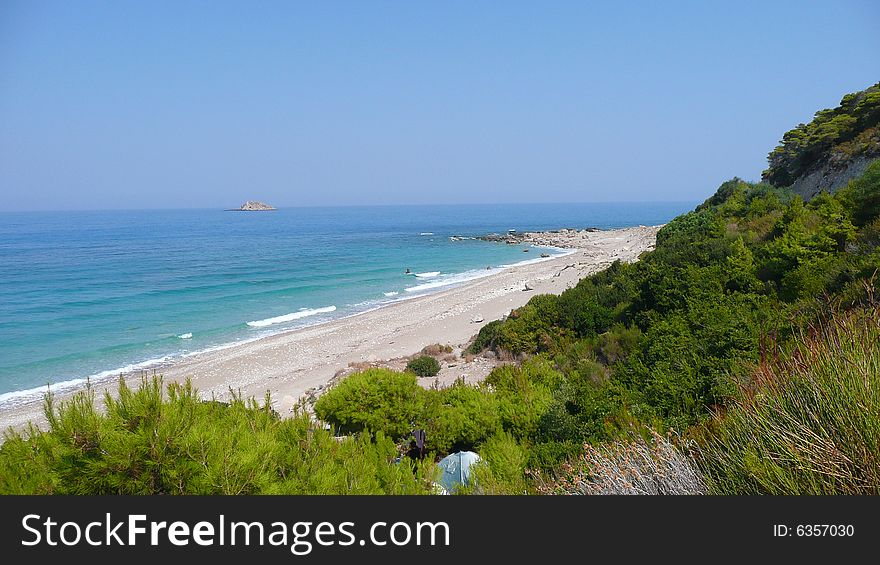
<point x="863" y="195"/>
<point x="549" y="454"/>
<point x="436" y="349"/>
<point x="502" y="470"/>
<point x="579" y="309"/>
<point x="459" y="417"/>
<point x="486" y="337"/>
<point x="582" y="410"/>
<point x="524" y="330"/>
<point x="423" y="366"/>
<point x="376" y="400"/>
<point x="523" y="395"/>
<point x="617" y="343"/>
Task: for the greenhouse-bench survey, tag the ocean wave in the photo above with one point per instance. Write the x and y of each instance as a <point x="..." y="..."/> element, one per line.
<point x="187" y="335"/>
<point x="392" y="293"/>
<point x="451" y="279"/>
<point x="427" y="233"/>
<point x="305" y="313"/>
<point x="428" y="275"/>
<point x="17" y="397"/>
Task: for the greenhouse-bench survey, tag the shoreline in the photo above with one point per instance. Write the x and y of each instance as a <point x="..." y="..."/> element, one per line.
<point x="12" y="399"/>
<point x="295" y="362"/>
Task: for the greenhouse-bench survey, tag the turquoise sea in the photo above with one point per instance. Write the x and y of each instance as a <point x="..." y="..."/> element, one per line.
<point x="90" y="294"/>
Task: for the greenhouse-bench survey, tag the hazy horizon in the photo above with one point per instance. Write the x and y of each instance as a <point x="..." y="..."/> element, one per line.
<point x="316" y="206"/>
<point x="124" y="106"/>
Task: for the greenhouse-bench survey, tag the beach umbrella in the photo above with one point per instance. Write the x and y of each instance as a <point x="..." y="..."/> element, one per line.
<point x="456" y="469"/>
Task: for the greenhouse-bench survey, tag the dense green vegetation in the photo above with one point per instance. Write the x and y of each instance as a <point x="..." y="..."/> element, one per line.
<point x="147" y="443"/>
<point x="664" y="340"/>
<point x="839" y="133"/>
<point x="459" y="417"/>
<point x="752" y="331"/>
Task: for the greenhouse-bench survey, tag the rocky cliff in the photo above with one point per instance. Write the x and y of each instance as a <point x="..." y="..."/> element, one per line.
<point x="829" y="176"/>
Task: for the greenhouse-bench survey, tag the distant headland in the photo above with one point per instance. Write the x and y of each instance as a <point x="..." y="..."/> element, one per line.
<point x="253" y="206"/>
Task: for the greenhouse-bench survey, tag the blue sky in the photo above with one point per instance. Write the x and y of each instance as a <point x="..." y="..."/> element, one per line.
<point x="207" y="104"/>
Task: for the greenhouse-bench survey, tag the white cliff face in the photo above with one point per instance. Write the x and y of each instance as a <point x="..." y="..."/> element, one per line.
<point x="254" y="205"/>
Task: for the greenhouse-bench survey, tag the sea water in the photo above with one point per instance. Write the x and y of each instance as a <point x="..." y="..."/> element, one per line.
<point x="93" y="294"/>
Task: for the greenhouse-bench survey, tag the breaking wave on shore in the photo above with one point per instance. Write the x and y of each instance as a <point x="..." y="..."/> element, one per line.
<point x="303" y="313"/>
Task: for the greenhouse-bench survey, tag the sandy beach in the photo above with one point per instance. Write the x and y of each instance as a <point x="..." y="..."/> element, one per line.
<point x="302" y="362"/>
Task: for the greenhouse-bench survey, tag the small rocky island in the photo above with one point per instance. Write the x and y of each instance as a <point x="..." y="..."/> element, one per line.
<point x="253" y="206"/>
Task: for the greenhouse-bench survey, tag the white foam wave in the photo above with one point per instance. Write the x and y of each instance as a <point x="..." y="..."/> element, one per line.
<point x="18" y="397"/>
<point x="427" y="233"/>
<point x="447" y="280"/>
<point x="392" y="293"/>
<point x="187" y="335"/>
<point x="428" y="275"/>
<point x="290" y="317"/>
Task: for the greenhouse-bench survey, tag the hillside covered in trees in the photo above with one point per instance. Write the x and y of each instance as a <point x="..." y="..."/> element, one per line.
<point x="742" y="355"/>
<point x="836" y="146"/>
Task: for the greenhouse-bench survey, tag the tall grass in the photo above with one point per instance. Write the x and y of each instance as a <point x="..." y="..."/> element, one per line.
<point x="810" y="422"/>
<point x="630" y="467"/>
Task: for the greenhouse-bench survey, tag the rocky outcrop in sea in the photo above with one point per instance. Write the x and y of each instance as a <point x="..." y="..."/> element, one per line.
<point x="253" y="206"/>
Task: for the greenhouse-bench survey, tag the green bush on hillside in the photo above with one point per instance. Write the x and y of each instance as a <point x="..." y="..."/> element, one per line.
<point x="458" y="418"/>
<point x="455" y="418"/>
<point x="524" y="395"/>
<point x="863" y="195"/>
<point x="503" y="468"/>
<point x="423" y="366"/>
<point x="486" y="338"/>
<point x="375" y="400"/>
